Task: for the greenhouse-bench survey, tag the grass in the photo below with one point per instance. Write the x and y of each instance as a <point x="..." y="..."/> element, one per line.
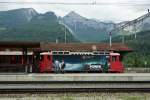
<point x="136" y="97"/>
<point x="77" y="96"/>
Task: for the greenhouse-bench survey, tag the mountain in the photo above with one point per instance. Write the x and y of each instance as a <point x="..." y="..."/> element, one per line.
<point x="13" y="18"/>
<point x="93" y="30"/>
<point x="27" y="25"/>
<point x="87" y="30"/>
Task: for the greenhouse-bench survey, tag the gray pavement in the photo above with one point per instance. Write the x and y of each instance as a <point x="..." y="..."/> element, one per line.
<point x="76" y="77"/>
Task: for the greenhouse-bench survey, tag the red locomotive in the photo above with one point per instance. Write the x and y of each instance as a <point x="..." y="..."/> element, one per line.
<point x="81" y="61"/>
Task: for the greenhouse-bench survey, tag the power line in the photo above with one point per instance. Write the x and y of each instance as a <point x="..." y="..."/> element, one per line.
<point x="78" y="3"/>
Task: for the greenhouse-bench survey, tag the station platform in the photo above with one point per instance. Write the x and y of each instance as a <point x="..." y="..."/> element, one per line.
<point x="99" y="77"/>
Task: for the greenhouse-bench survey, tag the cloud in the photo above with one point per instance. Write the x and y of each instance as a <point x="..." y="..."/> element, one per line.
<point x="111" y="10"/>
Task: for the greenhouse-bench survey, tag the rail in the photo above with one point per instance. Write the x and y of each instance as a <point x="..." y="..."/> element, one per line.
<point x="73" y="86"/>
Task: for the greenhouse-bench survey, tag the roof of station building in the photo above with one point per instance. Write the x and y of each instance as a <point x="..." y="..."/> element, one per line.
<point x="85" y="47"/>
<point x="19" y="44"/>
<point x="67" y="47"/>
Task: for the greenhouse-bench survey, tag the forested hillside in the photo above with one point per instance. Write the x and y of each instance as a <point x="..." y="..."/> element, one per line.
<point x="141" y="45"/>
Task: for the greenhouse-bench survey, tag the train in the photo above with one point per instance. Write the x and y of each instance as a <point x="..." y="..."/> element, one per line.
<point x="63" y="61"/>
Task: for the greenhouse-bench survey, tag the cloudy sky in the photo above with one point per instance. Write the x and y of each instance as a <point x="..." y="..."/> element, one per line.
<point x="104" y="10"/>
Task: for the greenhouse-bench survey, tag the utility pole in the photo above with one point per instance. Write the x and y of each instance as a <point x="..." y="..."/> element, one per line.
<point x="56" y="40"/>
<point x="110" y="39"/>
<point x="75" y="25"/>
<point x="135" y="31"/>
<point x="123" y="37"/>
<point x="65" y="35"/>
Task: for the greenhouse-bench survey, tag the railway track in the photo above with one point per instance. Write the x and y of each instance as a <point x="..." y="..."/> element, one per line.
<point x="74" y="86"/>
<point x="75" y="82"/>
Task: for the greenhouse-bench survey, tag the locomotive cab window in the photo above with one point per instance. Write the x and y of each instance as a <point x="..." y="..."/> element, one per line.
<point x="114" y="58"/>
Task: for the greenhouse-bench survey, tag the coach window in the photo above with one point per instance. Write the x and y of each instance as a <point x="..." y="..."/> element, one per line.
<point x="60" y="53"/>
<point x="54" y="53"/>
<point x="66" y="52"/>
